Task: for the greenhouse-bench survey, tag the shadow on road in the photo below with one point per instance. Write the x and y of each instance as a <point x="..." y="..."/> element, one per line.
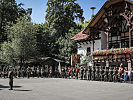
<point x="21" y="90"/>
<point x="2" y="86"/>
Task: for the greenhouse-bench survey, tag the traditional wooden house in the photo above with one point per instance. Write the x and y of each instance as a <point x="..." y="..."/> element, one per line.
<point x="109" y="35"/>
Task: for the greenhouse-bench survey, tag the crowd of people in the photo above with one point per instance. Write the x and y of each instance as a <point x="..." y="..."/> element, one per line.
<point x="110" y="74"/>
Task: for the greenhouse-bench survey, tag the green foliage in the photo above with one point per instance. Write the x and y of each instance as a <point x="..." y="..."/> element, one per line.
<point x="22" y="45"/>
<point x="67" y="46"/>
<point x="9" y="12"/>
<point x="7" y="54"/>
<point x="61" y="15"/>
<point x="45" y="41"/>
<point x="86" y="60"/>
<point x="86" y="23"/>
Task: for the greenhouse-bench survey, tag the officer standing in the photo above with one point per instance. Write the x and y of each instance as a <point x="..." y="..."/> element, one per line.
<point x="10" y="75"/>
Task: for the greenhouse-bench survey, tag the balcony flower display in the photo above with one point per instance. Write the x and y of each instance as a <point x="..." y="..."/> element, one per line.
<point x="117" y="51"/>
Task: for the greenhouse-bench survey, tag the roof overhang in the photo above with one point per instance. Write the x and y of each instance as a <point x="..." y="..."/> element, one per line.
<point x="101" y="12"/>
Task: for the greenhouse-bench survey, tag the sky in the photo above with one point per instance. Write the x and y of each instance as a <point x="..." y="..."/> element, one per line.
<point x="39" y="8"/>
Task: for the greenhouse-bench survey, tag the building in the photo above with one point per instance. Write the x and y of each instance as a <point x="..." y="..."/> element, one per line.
<point x="109" y="35"/>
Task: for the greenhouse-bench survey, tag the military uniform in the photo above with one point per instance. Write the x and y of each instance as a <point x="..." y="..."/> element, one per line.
<point x="10" y="75"/>
<point x="82" y="73"/>
<point x="101" y="74"/>
<point x="97" y="74"/>
<point x="93" y="74"/>
<point x="114" y="74"/>
<point x="110" y="75"/>
<point x="85" y="73"/>
<point x="105" y="74"/>
<point x="89" y="73"/>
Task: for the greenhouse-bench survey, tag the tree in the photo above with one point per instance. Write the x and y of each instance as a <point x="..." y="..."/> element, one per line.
<point x="9" y="12"/>
<point x="86" y="23"/>
<point x="61" y="15"/>
<point x="67" y="46"/>
<point x="45" y="41"/>
<point x="7" y="54"/>
<point x="22" y="39"/>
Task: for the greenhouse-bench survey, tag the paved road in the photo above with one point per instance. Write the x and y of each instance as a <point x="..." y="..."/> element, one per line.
<point x="64" y="89"/>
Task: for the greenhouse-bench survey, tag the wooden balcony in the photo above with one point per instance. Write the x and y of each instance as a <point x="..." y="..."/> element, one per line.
<point x="113" y="55"/>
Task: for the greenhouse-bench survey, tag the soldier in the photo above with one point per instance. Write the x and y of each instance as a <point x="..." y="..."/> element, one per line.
<point x="89" y="73"/>
<point x="50" y="71"/>
<point x="28" y="72"/>
<point x="38" y="72"/>
<point x="93" y="74"/>
<point x="18" y="73"/>
<point x="42" y="72"/>
<point x="4" y="72"/>
<point x="85" y="73"/>
<point x="22" y="72"/>
<point x="105" y="74"/>
<point x="10" y="75"/>
<point x="101" y="74"/>
<point x="77" y="72"/>
<point x="110" y="74"/>
<point x="97" y="74"/>
<point x="66" y="70"/>
<point x="115" y="74"/>
<point x="82" y="73"/>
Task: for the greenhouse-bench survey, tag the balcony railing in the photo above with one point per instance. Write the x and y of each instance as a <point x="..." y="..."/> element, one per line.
<point x="117" y="51"/>
<point x="113" y="55"/>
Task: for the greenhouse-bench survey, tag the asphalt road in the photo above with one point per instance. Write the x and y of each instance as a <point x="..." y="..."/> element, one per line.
<point x="64" y="89"/>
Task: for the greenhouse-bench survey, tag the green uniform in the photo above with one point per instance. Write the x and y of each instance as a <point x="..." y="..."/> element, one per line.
<point x="93" y="74"/>
<point x="101" y="74"/>
<point x="89" y="73"/>
<point x="105" y="75"/>
<point x="97" y="74"/>
<point x="10" y="75"/>
<point x="110" y="75"/>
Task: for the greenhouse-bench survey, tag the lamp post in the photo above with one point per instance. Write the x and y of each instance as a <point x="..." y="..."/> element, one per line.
<point x="93" y="8"/>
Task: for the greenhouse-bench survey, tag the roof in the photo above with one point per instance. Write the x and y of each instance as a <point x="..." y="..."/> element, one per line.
<point x="43" y="59"/>
<point x="101" y="12"/>
<point x="79" y="36"/>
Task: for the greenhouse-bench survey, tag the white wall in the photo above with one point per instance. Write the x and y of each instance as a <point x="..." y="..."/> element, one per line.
<point x="97" y="45"/>
<point x="82" y="48"/>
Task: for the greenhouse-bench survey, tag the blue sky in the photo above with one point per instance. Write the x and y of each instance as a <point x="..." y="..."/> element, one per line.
<point x="39" y="7"/>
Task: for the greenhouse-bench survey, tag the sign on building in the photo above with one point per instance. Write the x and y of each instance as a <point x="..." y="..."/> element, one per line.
<point x="75" y="59"/>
